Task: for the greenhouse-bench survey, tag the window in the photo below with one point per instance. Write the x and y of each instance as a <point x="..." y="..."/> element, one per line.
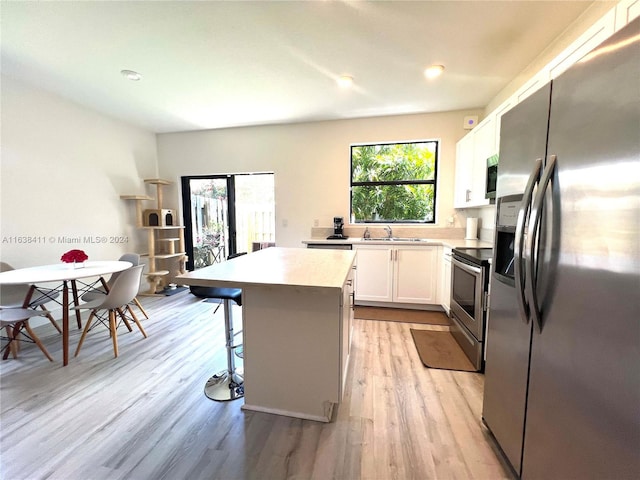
<point x="394" y="182"/>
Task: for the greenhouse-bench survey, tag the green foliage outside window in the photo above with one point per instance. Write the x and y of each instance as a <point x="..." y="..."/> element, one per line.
<point x="394" y="182"/>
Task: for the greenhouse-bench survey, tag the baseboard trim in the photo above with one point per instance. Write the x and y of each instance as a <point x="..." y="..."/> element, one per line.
<point x="287" y="413"/>
<point x="407" y="306"/>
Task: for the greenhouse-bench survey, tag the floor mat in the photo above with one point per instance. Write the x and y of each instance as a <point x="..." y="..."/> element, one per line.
<point x="440" y="350"/>
<point x="426" y="317"/>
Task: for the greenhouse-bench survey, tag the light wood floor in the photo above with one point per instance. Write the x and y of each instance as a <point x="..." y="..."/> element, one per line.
<point x="144" y="414"/>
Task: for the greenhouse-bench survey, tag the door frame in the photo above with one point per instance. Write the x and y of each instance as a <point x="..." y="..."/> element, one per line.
<point x="185" y="183"/>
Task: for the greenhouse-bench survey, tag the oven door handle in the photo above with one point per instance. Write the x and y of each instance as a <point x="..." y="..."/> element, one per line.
<point x="466" y="267"/>
<point x="519" y="250"/>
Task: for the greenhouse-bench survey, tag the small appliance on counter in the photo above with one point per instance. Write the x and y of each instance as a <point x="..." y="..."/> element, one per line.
<point x="338" y="229"/>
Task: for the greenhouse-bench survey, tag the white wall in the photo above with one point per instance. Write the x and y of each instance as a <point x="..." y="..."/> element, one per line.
<point x="310" y="161"/>
<point x="63" y="168"/>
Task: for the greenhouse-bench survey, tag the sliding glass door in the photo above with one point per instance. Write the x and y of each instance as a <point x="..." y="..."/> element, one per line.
<point x="226" y="214"/>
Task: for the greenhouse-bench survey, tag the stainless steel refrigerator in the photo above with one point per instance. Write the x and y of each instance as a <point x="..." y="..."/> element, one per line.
<point x="562" y="375"/>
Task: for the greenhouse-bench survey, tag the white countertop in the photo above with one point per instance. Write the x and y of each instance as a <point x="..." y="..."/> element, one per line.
<point x="297" y="267"/>
<point x="446" y="242"/>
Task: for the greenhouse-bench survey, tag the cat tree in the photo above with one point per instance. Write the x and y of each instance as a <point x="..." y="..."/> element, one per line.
<point x="165" y="239"/>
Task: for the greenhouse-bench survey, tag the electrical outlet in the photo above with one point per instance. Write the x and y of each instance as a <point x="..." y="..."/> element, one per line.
<point x="316" y="222"/>
<point x="285" y="222"/>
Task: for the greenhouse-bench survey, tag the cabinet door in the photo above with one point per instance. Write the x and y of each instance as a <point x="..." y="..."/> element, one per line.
<point x="464" y="172"/>
<point x="532" y="85"/>
<point x="626" y="11"/>
<point x="374" y="273"/>
<point x="596" y="34"/>
<point x="416" y="275"/>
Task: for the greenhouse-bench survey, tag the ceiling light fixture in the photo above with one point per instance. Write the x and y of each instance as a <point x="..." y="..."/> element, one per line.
<point x="345" y="81"/>
<point x="434" y="71"/>
<point x="131" y="75"/>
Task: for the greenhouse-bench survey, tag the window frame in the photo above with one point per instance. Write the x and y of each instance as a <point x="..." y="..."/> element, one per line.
<point x="433" y="182"/>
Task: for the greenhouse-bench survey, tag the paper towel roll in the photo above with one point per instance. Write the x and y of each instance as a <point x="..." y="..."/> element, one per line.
<point x="472" y="229"/>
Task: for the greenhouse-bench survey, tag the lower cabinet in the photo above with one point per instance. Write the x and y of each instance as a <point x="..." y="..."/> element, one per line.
<point x="401" y="274"/>
<point x="374" y="275"/>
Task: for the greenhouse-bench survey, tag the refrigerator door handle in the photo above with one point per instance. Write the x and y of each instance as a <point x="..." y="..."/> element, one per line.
<point x="532" y="244"/>
<point x="519" y="270"/>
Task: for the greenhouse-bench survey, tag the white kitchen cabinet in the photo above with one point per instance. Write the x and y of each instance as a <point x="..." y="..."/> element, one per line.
<point x="472" y="152"/>
<point x="401" y="274"/>
<point x="374" y="275"/>
<point x="596" y="34"/>
<point x="532" y="85"/>
<point x="416" y="274"/>
<point x="464" y="172"/>
<point x="484" y="144"/>
<point x="626" y="11"/>
<point x="445" y="279"/>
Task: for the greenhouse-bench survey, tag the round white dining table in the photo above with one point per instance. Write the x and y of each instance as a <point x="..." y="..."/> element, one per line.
<point x="67" y="274"/>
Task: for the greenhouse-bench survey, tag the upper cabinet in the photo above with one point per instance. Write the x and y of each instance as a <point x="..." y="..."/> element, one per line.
<point x="472" y="152"/>
<point x="483" y="141"/>
<point x="464" y="172"/>
<point x="626" y="10"/>
<point x="531" y="86"/>
<point x="595" y="35"/>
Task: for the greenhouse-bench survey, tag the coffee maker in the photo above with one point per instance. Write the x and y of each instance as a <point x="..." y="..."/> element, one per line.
<point x="338" y="229"/>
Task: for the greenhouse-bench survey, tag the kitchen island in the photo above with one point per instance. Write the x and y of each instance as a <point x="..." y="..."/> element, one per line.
<point x="297" y="316"/>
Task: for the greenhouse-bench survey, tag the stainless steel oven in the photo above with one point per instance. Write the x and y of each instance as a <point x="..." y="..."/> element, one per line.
<point x="469" y="300"/>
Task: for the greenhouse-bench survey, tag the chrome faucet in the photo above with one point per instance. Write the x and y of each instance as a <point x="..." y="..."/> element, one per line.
<point x="389" y="231"/>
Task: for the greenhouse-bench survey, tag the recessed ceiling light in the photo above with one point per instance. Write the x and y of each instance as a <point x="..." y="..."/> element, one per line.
<point x="345" y="81"/>
<point x="434" y="71"/>
<point x="131" y="75"/>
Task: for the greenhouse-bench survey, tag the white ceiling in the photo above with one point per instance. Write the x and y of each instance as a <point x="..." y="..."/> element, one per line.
<point x="214" y="64"/>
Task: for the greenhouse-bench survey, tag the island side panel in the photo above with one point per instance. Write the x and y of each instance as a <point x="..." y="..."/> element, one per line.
<point x="346" y="328"/>
<point x="292" y="350"/>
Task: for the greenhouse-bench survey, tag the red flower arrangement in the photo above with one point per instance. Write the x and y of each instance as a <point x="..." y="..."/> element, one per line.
<point x="73" y="256"/>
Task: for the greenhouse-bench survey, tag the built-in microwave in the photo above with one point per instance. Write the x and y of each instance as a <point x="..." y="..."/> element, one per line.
<point x="492" y="176"/>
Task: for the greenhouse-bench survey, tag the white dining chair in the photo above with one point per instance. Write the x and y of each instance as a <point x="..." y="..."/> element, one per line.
<point x="13" y="296"/>
<point x="132" y="258"/>
<point x="105" y="307"/>
<point x="15" y="321"/>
